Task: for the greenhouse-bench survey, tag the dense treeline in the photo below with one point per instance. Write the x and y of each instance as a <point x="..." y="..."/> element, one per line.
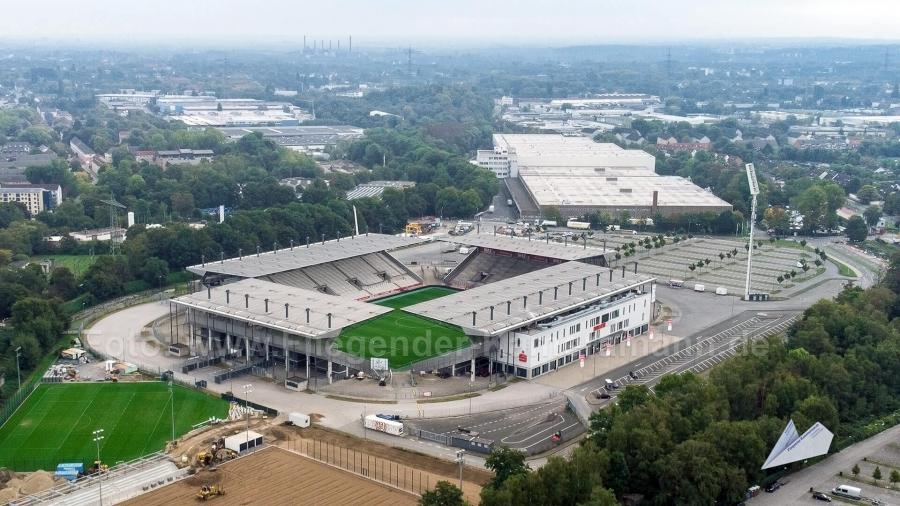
<point x="457" y="118"/>
<point x="34" y="321"/>
<point x="694" y="440"/>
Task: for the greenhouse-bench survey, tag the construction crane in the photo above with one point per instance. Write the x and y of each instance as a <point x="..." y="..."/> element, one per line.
<point x="114" y="206"/>
<point x="754" y="192"/>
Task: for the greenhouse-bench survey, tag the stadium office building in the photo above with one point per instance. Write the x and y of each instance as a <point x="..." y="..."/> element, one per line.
<point x="288" y="307"/>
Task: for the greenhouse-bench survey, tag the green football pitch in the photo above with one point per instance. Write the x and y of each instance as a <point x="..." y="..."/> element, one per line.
<point x="401" y="337"/>
<point x="55" y="424"/>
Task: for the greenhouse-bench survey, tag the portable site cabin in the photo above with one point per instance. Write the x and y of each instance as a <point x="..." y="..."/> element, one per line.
<point x="69" y="470"/>
<point x="299" y="419"/>
<point x="243" y="441"/>
<point x="72" y="354"/>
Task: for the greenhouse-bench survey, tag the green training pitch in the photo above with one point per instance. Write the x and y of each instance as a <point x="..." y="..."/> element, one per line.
<point x="56" y="423"/>
<point x="401" y="337"/>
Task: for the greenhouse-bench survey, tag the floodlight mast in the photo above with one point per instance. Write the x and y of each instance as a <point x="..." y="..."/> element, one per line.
<point x="754" y="192"/>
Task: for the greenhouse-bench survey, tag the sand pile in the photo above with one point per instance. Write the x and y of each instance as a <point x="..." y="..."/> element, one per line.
<point x="36" y="482"/>
<point x="19" y="484"/>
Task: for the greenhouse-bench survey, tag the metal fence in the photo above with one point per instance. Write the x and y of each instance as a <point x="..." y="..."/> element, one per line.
<point x="119" y="470"/>
<point x="432" y="436"/>
<point x="16" y="400"/>
<point x="387" y="472"/>
<point x="228" y="396"/>
<point x="239" y="370"/>
<point x="192" y="364"/>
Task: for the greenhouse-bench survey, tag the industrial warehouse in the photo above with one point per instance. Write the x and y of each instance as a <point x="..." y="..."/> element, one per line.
<point x="579" y="176"/>
<point x="341" y="308"/>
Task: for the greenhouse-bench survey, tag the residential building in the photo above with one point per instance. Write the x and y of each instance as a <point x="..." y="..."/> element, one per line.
<point x="35" y="198"/>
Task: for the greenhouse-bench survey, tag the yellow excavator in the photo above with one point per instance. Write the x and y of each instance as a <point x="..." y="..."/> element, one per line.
<point x="209" y="491"/>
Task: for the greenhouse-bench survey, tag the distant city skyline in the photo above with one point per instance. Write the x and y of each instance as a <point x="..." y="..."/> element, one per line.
<point x="463" y="22"/>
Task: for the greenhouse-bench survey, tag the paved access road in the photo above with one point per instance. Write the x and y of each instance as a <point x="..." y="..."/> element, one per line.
<point x="528" y="429"/>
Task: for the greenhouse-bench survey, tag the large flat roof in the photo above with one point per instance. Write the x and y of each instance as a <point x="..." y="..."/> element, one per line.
<point x="537" y="246"/>
<point x="458" y="308"/>
<point x="251" y="265"/>
<point x="556" y="150"/>
<point x="294" y="131"/>
<point x="673" y="191"/>
<point x="245" y="300"/>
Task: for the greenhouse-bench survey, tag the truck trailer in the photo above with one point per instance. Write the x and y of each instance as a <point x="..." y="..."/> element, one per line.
<point x="375" y="422"/>
<point x="578" y="225"/>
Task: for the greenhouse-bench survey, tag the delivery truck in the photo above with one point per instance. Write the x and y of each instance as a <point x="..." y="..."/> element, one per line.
<point x="392" y="427"/>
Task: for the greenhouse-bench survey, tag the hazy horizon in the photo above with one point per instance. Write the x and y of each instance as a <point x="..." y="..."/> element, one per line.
<point x="461" y="23"/>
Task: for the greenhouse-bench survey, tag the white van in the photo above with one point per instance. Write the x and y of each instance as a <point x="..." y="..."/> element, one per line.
<point x="847" y="491"/>
<point x="463" y="250"/>
<point x="676" y="283"/>
<point x="699" y="288"/>
<point x="721" y="291"/>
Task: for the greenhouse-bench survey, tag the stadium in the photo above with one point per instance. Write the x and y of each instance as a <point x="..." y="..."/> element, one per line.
<point x="347" y="307"/>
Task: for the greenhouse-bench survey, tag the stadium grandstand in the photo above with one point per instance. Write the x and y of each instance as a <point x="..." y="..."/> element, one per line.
<point x="498" y="257"/>
<point x="527" y="307"/>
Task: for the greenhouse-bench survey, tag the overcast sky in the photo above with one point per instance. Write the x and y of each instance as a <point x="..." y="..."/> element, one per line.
<point x="468" y="22"/>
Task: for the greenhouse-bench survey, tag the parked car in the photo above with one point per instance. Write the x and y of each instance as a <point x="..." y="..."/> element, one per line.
<point x="819" y="496"/>
<point x="601" y="394"/>
<point x="773" y="487"/>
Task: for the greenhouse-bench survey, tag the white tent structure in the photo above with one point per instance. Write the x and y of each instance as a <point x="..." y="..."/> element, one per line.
<point x="792" y="447"/>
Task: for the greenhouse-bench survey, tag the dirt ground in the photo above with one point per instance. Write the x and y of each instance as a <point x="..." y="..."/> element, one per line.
<point x="419" y="461"/>
<point x="343" y="450"/>
<point x="275" y="476"/>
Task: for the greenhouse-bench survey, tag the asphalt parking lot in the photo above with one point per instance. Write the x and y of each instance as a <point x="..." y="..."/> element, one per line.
<point x="528" y="428"/>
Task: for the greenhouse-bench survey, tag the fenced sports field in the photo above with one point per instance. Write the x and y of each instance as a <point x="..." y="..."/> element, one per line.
<point x="56" y="423"/>
<point x="401" y="337"/>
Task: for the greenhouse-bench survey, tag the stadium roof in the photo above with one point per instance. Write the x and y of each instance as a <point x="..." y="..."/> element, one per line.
<point x="254" y="265"/>
<point x="537" y="246"/>
<point x="588" y="283"/>
<point x="245" y="300"/>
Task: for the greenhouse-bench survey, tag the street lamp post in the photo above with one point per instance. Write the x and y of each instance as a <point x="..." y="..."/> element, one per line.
<point x="247" y="389"/>
<point x="460" y="459"/>
<point x="18" y="371"/>
<point x="172" y="401"/>
<point x="98" y="436"/>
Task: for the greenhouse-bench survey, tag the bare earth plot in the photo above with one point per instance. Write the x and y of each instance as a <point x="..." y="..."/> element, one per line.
<point x="275" y="476"/>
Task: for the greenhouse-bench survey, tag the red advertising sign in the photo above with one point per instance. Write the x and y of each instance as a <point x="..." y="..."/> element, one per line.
<point x="598" y="327"/>
<point x="523" y="357"/>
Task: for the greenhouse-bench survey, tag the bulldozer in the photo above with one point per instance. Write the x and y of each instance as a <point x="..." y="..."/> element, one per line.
<point x="208" y="491"/>
<point x="205" y="458"/>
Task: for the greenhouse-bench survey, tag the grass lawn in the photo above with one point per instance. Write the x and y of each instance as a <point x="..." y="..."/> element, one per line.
<point x="401" y="337"/>
<point x="78" y="264"/>
<point x="414" y="297"/>
<point x="55" y="424"/>
<point x="843" y="269"/>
